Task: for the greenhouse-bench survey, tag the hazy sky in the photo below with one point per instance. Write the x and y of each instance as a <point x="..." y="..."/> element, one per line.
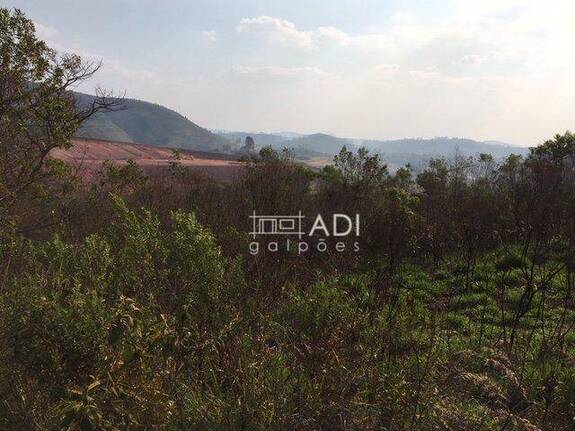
<point x="483" y="69"/>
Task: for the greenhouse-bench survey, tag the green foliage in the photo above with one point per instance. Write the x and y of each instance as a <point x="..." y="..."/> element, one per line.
<point x="148" y="326"/>
<point x="39" y="113"/>
<point x="117" y="306"/>
<point x="457" y="314"/>
<point x="361" y="168"/>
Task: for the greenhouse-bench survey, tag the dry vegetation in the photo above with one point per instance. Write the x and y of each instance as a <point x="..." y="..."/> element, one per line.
<point x="132" y="303"/>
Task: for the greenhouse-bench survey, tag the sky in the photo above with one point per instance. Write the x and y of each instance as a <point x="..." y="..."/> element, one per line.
<point x="481" y="69"/>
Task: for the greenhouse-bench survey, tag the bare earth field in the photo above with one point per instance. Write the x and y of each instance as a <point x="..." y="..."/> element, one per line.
<point x="88" y="156"/>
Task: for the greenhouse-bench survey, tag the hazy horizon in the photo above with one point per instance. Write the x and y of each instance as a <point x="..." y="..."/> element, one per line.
<point x="296" y="134"/>
<point x="366" y="69"/>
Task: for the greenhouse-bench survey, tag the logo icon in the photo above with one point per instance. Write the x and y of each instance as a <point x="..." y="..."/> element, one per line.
<point x="342" y="226"/>
<point x="277" y="225"/>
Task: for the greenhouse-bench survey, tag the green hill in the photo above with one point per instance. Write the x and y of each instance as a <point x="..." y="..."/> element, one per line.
<point x="444" y="147"/>
<point x="152" y="124"/>
<point x="318" y="143"/>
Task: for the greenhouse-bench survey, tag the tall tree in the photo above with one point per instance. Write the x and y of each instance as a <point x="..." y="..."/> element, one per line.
<point x="38" y="111"/>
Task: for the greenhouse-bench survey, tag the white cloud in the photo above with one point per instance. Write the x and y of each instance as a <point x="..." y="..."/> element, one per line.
<point x="279" y="30"/>
<point x="210" y="35"/>
<point x="491" y="69"/>
<point x="487" y="69"/>
<point x="489" y="37"/>
<point x="285" y="32"/>
<point x="332" y="34"/>
<point x="376" y="42"/>
<point x="277" y="71"/>
<point x="402" y="17"/>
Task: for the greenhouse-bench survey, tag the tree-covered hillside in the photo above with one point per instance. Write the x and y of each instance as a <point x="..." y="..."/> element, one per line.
<point x="416" y="152"/>
<point x="149" y="123"/>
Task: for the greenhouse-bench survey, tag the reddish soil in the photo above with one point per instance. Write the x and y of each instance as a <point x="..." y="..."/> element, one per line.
<point x="88" y="156"/>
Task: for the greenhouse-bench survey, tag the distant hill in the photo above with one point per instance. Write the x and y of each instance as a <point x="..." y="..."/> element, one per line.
<point x="443" y="147"/>
<point x="395" y="153"/>
<point x="319" y="143"/>
<point x="323" y="144"/>
<point x="151" y="124"/>
<point x="261" y="139"/>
